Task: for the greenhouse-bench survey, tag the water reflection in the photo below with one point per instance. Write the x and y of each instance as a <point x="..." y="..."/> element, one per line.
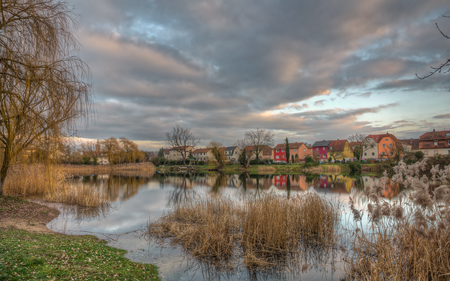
<point x="136" y="197"/>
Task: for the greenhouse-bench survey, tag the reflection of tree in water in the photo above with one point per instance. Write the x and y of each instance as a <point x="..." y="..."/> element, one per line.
<point x="80" y="214"/>
<point x="221" y="181"/>
<point x="124" y="188"/>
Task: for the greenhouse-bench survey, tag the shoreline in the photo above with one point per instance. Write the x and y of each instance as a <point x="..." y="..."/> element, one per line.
<point x="32" y="251"/>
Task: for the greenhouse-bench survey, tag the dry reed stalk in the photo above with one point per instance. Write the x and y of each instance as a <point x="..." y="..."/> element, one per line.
<point x="48" y="182"/>
<point x="330" y="169"/>
<point x="138" y="167"/>
<point x="266" y="169"/>
<point x="258" y="231"/>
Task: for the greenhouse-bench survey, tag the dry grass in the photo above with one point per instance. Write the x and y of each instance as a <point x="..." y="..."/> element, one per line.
<point x="256" y="231"/>
<point x="403" y="253"/>
<point x="266" y="169"/>
<point x="48" y="182"/>
<point x="330" y="169"/>
<point x="80" y="169"/>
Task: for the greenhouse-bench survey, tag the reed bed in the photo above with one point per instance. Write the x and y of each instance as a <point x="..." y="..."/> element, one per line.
<point x="408" y="239"/>
<point x="266" y="169"/>
<point x="48" y="182"/>
<point x="259" y="232"/>
<point x="331" y="169"/>
<point x="137" y="167"/>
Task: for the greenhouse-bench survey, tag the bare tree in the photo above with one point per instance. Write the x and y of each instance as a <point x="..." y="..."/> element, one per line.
<point x="218" y="151"/>
<point x="243" y="159"/>
<point x="444" y="67"/>
<point x="259" y="139"/>
<point x="42" y="80"/>
<point x="112" y="149"/>
<point x="359" y="144"/>
<point x="182" y="140"/>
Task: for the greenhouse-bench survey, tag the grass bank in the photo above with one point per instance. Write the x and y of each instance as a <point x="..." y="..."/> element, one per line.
<point x="29" y="251"/>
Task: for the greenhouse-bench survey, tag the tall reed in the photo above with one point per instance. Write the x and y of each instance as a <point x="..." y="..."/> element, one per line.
<point x="409" y="238"/>
<point x="256" y="230"/>
<point x="48" y="182"/>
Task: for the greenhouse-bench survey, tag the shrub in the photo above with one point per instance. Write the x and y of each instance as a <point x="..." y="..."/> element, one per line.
<point x="355" y="167"/>
<point x="201" y="163"/>
<point x="419" y="155"/>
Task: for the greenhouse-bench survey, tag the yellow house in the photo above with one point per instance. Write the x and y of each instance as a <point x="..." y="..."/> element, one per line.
<point x="339" y="150"/>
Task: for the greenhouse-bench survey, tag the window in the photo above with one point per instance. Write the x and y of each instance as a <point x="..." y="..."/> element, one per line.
<point x="305" y="149"/>
<point x="317" y="148"/>
<point x="435" y="142"/>
<point x="390" y="145"/>
<point x="448" y="152"/>
<point x="435" y="152"/>
<point x="386" y="140"/>
<point x="373" y="153"/>
<point x="392" y="153"/>
<point x="331" y="148"/>
<point x="384" y="145"/>
<point x="337" y="155"/>
<point x="282" y="150"/>
<point x="425" y="152"/>
<point x="448" y="142"/>
<point x="382" y="153"/>
<point x="295" y="150"/>
<point x="277" y="150"/>
<point x="365" y="154"/>
<point x="278" y="157"/>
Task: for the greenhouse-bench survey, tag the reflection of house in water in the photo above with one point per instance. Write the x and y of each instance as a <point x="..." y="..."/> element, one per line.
<point x="340" y="183"/>
<point x="389" y="190"/>
<point x="321" y="182"/>
<point x="234" y="181"/>
<point x="298" y="182"/>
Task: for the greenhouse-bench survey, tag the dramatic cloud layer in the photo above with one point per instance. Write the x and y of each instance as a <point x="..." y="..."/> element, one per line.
<point x="305" y="69"/>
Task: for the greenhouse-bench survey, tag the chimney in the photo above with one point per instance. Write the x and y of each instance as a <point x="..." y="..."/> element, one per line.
<point x="434" y="130"/>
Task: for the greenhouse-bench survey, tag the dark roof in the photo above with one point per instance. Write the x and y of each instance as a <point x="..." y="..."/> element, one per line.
<point x="337" y="145"/>
<point x="231" y="148"/>
<point x="321" y="143"/>
<point x="414" y="143"/>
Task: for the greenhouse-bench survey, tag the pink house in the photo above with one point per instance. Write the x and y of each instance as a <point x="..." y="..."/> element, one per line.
<point x="320" y="150"/>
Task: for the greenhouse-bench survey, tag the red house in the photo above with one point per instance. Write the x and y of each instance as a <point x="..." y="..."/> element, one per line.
<point x="298" y="150"/>
<point x="320" y="150"/>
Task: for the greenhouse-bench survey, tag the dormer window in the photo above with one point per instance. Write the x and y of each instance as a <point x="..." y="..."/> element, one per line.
<point x="387" y="139"/>
<point x="435" y="142"/>
<point x="447" y="134"/>
<point x="331" y="148"/>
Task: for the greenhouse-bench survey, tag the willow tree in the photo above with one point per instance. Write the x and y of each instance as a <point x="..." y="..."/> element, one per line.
<point x="44" y="84"/>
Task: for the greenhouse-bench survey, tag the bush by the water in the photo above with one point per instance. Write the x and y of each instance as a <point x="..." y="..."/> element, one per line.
<point x="355" y="167"/>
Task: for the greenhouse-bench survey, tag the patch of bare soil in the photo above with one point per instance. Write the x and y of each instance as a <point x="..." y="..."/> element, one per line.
<point x="18" y="213"/>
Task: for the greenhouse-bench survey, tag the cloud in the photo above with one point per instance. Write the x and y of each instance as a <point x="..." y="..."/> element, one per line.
<point x="319" y="102"/>
<point x="218" y="68"/>
<point x="442" y="116"/>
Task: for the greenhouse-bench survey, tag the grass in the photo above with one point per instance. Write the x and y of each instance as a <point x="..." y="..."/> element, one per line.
<point x="37" y="256"/>
<point x="258" y="231"/>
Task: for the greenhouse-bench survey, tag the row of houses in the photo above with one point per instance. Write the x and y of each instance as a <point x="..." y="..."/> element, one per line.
<point x="373" y="147"/>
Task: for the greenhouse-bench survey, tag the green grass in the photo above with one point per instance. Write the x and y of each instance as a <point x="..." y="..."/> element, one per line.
<point x="33" y="256"/>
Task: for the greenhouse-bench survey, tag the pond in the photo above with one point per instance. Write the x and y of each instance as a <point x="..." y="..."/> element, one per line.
<point x="136" y="199"/>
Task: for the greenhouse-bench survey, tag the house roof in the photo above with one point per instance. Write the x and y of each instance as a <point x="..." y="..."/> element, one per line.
<point x="378" y="138"/>
<point x="291" y="145"/>
<point x="414" y="143"/>
<point x="266" y="150"/>
<point x="337" y="145"/>
<point x="439" y="135"/>
<point x="201" y="150"/>
<point x="353" y="143"/>
<point x="321" y="143"/>
<point x="230" y="148"/>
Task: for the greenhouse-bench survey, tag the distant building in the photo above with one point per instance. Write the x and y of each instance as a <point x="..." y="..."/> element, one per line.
<point x="298" y="150"/>
<point x="203" y="154"/>
<point x="435" y="143"/>
<point x="265" y="152"/>
<point x="232" y="153"/>
<point x="102" y="159"/>
<point x="340" y="150"/>
<point x="320" y="150"/>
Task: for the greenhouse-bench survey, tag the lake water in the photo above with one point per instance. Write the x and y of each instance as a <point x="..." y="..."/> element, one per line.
<point x="135" y="200"/>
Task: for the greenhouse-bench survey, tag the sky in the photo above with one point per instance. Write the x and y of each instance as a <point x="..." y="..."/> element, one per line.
<point x="307" y="70"/>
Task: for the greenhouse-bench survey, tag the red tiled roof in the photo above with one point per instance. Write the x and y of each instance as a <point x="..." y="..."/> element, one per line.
<point x="291" y="145"/>
<point x="440" y="135"/>
<point x="337" y="145"/>
<point x="378" y="138"/>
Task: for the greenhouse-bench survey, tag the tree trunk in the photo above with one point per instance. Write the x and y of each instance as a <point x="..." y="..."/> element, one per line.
<point x="4" y="170"/>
